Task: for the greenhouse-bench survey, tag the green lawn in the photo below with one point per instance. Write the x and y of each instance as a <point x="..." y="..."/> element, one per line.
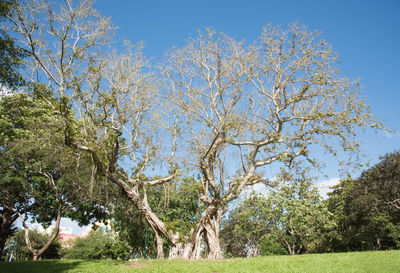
<point x="382" y="261"/>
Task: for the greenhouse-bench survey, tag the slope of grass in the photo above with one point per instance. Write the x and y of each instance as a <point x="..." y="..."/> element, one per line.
<point x="382" y="261"/>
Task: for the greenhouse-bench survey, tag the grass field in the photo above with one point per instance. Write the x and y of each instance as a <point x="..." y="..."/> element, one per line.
<point x="379" y="261"/>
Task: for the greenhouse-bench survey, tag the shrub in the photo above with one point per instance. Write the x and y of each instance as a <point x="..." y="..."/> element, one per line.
<point x="99" y="244"/>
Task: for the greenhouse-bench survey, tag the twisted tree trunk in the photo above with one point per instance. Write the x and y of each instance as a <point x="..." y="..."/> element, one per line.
<point x="208" y="228"/>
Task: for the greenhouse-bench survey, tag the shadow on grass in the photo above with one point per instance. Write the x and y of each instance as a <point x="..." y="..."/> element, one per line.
<point x="46" y="266"/>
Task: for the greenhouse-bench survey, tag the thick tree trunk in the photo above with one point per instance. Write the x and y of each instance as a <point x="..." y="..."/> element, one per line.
<point x="212" y="237"/>
<point x="208" y="227"/>
<point x="7" y="220"/>
<point x="3" y="240"/>
<point x="160" y="251"/>
<point x="191" y="248"/>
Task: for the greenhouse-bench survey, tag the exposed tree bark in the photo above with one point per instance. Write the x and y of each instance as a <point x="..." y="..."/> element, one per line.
<point x="160" y="251"/>
<point x="212" y="238"/>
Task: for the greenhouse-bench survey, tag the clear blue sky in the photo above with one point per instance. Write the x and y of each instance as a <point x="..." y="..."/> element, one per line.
<point x="365" y="34"/>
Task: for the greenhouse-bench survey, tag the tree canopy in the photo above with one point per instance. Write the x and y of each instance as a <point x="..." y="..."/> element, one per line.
<point x="40" y="176"/>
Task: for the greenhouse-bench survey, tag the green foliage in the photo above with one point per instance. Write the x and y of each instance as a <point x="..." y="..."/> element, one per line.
<point x="180" y="207"/>
<point x="246" y="226"/>
<point x="299" y="216"/>
<point x="32" y="144"/>
<point x="10" y="53"/>
<point x="21" y="252"/>
<point x="367" y="209"/>
<point x="99" y="244"/>
<point x="22" y="125"/>
<point x="270" y="245"/>
<point x="291" y="218"/>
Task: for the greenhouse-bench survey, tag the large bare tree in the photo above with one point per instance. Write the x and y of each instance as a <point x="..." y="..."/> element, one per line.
<point x="247" y="107"/>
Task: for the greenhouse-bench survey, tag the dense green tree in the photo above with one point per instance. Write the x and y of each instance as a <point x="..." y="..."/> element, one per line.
<point x="242" y="233"/>
<point x="10" y="53"/>
<point x="40" y="177"/>
<point x="18" y="115"/>
<point x="299" y="216"/>
<point x="291" y="218"/>
<point x="366" y="209"/>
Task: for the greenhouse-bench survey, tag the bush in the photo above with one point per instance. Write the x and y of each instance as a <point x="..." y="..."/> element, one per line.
<point x="270" y="245"/>
<point x="99" y="244"/>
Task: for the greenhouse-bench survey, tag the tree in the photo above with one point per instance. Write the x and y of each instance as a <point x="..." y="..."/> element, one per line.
<point x="292" y="216"/>
<point x="243" y="108"/>
<point x="40" y="177"/>
<point x="21" y="252"/>
<point x="246" y="227"/>
<point x="10" y="53"/>
<point x="299" y="217"/>
<point x="19" y="116"/>
<point x="114" y="95"/>
<point x="366" y="208"/>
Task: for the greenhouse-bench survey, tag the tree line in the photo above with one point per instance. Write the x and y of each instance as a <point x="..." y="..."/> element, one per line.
<point x="97" y="132"/>
<point x="359" y="214"/>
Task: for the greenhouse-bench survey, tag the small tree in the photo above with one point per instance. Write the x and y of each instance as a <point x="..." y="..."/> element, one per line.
<point x="21" y="252"/>
<point x="246" y="227"/>
<point x="299" y="217"/>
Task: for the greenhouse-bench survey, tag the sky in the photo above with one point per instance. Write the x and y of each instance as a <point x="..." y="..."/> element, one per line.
<point x="365" y="34"/>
